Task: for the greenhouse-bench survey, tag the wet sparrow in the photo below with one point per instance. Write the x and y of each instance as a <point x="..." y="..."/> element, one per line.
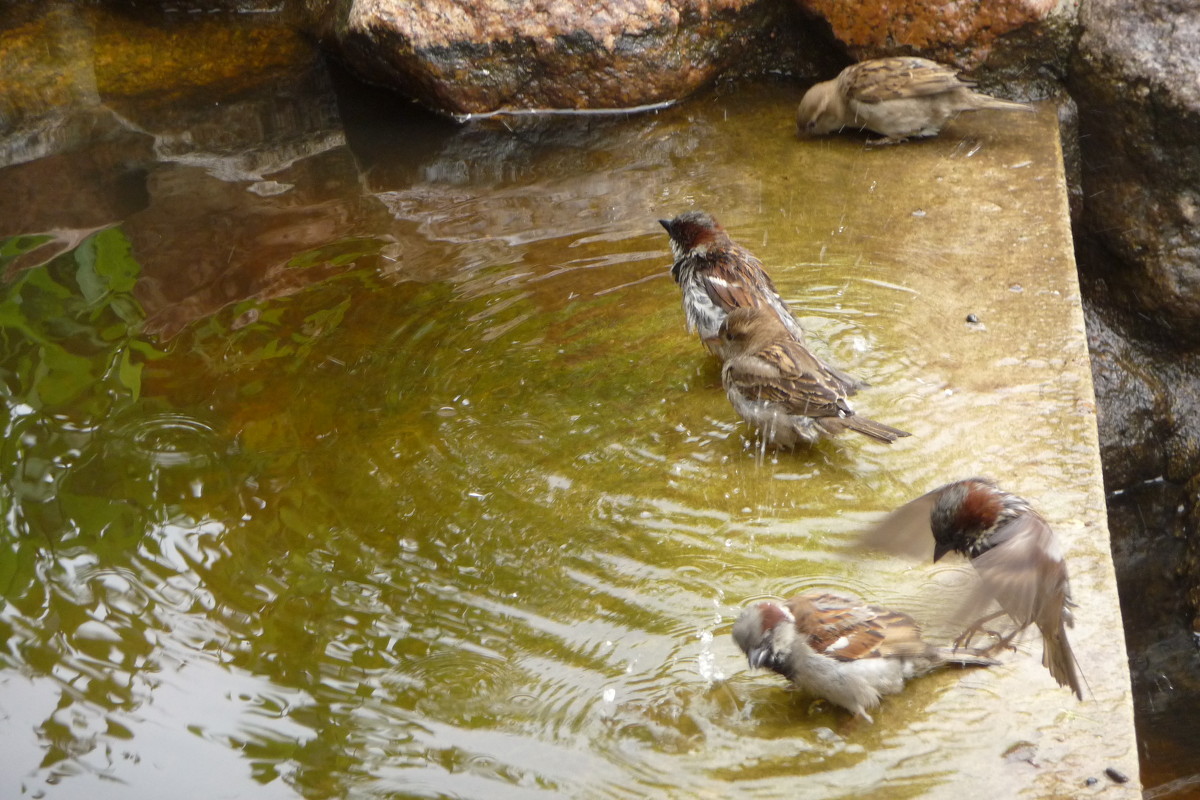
<point x="783" y="390"/>
<point x="840" y="649"/>
<point x="1013" y="550"/>
<point x="895" y="97"/>
<point x="717" y="275"/>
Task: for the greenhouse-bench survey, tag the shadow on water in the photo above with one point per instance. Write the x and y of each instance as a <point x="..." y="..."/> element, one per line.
<point x="353" y="452"/>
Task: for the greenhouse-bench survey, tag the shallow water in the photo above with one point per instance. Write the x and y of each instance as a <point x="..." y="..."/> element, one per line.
<point x="354" y="453"/>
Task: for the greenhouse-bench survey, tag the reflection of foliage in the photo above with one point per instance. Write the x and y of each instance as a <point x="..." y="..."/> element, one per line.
<point x="259" y="330"/>
<point x="70" y="360"/>
<point x="70" y="365"/>
<point x="69" y="328"/>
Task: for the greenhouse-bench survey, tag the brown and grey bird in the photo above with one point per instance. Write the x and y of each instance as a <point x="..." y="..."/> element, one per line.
<point x="717" y="275"/>
<point x="1014" y="551"/>
<point x="898" y="98"/>
<point x="841" y="649"/>
<point x="781" y="389"/>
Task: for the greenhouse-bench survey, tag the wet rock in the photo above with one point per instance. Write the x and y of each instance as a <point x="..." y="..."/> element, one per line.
<point x="180" y="7"/>
<point x="472" y="58"/>
<point x="1136" y="78"/>
<point x="1148" y="395"/>
<point x="965" y="34"/>
<point x="1146" y="392"/>
<point x="1133" y="403"/>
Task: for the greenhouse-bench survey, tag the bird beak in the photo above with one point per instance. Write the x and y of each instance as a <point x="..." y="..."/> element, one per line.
<point x="759" y="654"/>
<point x="940" y="550"/>
<point x="666" y="223"/>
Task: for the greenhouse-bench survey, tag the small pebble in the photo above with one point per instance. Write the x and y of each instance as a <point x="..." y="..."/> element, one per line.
<point x="972" y="318"/>
<point x="1091" y="781"/>
<point x="1116" y="775"/>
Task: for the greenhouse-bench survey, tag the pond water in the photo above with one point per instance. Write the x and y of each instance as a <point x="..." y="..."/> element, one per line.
<point x="350" y="452"/>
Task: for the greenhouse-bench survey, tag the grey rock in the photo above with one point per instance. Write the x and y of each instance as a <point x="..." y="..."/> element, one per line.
<point x="1136" y="78"/>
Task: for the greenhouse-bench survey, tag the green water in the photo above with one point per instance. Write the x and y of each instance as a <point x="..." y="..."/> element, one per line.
<point x="392" y="471"/>
<point x="411" y="536"/>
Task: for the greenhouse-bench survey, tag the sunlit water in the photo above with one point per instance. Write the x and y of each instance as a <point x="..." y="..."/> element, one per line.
<point x="424" y="490"/>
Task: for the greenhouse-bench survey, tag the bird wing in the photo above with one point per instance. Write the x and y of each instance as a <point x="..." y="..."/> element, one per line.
<point x="898" y="78"/>
<point x="848" y="630"/>
<point x="1024" y="570"/>
<point x="905" y="531"/>
<point x="785" y="374"/>
<point x="735" y="279"/>
<point x="728" y="293"/>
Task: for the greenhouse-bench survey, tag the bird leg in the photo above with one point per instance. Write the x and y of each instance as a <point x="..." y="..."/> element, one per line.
<point x="1003" y="641"/>
<point x="976" y="627"/>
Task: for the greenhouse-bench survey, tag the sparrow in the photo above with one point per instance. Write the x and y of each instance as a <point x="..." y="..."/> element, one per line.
<point x="840" y="649"/>
<point x="1013" y="550"/>
<point x="781" y="389"/>
<point x="717" y="275"/>
<point x="896" y="97"/>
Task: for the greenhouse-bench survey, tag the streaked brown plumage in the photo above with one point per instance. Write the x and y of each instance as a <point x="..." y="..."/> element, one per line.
<point x="780" y="388"/>
<point x="1011" y="547"/>
<point x="717" y="275"/>
<point x="839" y="648"/>
<point x="898" y="97"/>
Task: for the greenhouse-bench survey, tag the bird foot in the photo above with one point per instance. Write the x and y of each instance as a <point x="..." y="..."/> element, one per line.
<point x="1003" y="641"/>
<point x="884" y="141"/>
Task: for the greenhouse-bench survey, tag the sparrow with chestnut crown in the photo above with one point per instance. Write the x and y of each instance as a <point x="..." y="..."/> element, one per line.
<point x="840" y="649"/>
<point x="717" y="275"/>
<point x="1013" y="550"/>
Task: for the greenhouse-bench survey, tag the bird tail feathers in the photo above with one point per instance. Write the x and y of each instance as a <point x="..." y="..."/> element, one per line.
<point x="873" y="429"/>
<point x="984" y="101"/>
<point x="1059" y="658"/>
<point x="965" y="658"/>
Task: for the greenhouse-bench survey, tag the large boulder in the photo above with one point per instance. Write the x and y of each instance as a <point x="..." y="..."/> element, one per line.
<point x="964" y="34"/>
<point x="1136" y="77"/>
<point x="488" y="55"/>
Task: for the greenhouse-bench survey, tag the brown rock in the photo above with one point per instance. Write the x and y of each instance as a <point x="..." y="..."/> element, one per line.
<point x="491" y="55"/>
<point x="962" y="34"/>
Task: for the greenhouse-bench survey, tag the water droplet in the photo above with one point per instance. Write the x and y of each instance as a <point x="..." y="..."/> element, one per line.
<point x="170" y="440"/>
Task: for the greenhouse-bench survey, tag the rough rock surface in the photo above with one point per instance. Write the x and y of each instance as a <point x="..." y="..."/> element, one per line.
<point x="549" y="54"/>
<point x="1136" y="78"/>
<point x="958" y="33"/>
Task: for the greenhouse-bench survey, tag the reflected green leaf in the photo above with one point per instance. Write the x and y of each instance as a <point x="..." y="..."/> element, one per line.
<point x="340" y="253"/>
<point x="61" y="376"/>
<point x="114" y="261"/>
<point x="130" y="374"/>
<point x="16" y="246"/>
